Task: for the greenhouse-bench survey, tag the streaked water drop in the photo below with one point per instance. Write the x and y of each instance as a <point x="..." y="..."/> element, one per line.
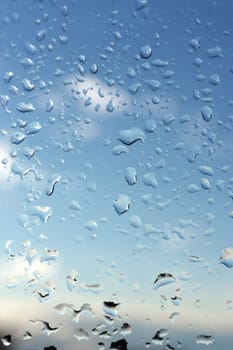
<point x="52" y="181"/>
<point x="130" y="136"/>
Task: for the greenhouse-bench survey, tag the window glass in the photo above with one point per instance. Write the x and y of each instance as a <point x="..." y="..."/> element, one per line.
<point x="116" y="180"/>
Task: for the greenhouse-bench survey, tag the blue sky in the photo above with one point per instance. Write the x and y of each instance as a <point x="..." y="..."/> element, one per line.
<point x="78" y="64"/>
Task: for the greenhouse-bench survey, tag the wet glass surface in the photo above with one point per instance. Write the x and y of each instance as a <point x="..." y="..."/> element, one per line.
<point x="116" y="185"/>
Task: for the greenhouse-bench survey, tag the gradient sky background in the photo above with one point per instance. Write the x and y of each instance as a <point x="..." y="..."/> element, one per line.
<point x="87" y="81"/>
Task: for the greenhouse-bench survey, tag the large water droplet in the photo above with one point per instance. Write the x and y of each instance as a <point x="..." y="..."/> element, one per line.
<point x="206" y="113"/>
<point x="25" y="107"/>
<point x="163" y="279"/>
<point x="6" y="341"/>
<point x="42" y="212"/>
<point x="226" y="257"/>
<point x="205" y="339"/>
<point x="17" y="137"/>
<point x="131" y="175"/>
<point x="145" y="51"/>
<point x="122" y="204"/>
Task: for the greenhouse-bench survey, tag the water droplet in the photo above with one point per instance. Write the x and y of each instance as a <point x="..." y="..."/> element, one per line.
<point x="49" y="105"/>
<point x="192" y="188"/>
<point x="214" y="52"/>
<point x="206" y="113"/>
<point x="140" y="4"/>
<point x="63" y="308"/>
<point x="173" y="316"/>
<point x="130" y="136"/>
<point x="74" y="205"/>
<point x="17" y="137"/>
<point x="122" y="204"/>
<point x="49" y="255"/>
<point x="206" y="170"/>
<point x="131" y="175"/>
<point x="94" y="68"/>
<point x="52" y="181"/>
<point x="150" y="126"/>
<point x="40" y="35"/>
<point x="163" y="279"/>
<point x="135" y="221"/>
<point x="6" y="341"/>
<point x="120" y="149"/>
<point x="47" y="329"/>
<point x="134" y="88"/>
<point x="42" y="212"/>
<point x="72" y="280"/>
<point x="150" y="180"/>
<point x="205" y="184"/>
<point x="195" y="259"/>
<point x="27" y="335"/>
<point x="110" y="106"/>
<point x="167" y="119"/>
<point x="85" y="309"/>
<point x="214" y="79"/>
<point x="28" y="85"/>
<point x="145" y="51"/>
<point x="205" y="339"/>
<point x="226" y="257"/>
<point x="158" y="338"/>
<point x="91" y="225"/>
<point x="92" y="288"/>
<point x="126" y="329"/>
<point x="33" y="128"/>
<point x="24" y="107"/>
<point x="195" y="43"/>
<point x="81" y="334"/>
<point x="160" y="63"/>
<point x="176" y="300"/>
<point x="194" y="153"/>
<point x="154" y="85"/>
<point x="8" y="76"/>
<point x="110" y="308"/>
